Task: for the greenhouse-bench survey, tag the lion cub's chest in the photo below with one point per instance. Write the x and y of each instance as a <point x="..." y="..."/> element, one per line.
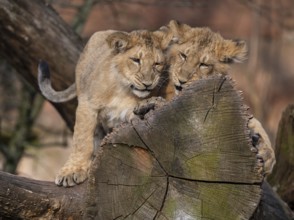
<point x="117" y="111"/>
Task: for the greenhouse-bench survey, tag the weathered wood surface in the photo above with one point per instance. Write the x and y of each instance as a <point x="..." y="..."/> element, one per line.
<point x="23" y="198"/>
<point x="271" y="206"/>
<point x="282" y="177"/>
<point x="163" y="167"/>
<point x="30" y="31"/>
<point x="191" y="159"/>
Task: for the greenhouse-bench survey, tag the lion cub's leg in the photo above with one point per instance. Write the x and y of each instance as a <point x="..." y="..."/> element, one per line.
<point x="75" y="170"/>
<point x="263" y="145"/>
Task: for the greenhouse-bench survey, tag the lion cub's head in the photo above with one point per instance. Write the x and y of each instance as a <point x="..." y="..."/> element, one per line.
<point x="199" y="52"/>
<point x="138" y="57"/>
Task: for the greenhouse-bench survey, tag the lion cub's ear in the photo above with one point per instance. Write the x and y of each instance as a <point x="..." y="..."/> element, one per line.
<point x="165" y="37"/>
<point x="179" y="30"/>
<point x="118" y="41"/>
<point x="235" y="51"/>
<point x="171" y="33"/>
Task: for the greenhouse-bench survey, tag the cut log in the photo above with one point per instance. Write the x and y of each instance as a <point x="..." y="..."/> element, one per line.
<point x="23" y="198"/>
<point x="189" y="159"/>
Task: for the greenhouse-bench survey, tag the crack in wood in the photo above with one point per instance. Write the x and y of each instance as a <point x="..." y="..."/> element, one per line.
<point x="121" y="184"/>
<point x="221" y="83"/>
<point x="122" y="163"/>
<point x="215" y="182"/>
<point x="164" y="198"/>
<point x="117" y="217"/>
<point x="152" y="153"/>
<point x="213" y="104"/>
<point x="145" y="201"/>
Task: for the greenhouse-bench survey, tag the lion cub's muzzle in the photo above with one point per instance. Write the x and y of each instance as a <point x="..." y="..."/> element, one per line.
<point x="179" y="85"/>
<point x="142" y="93"/>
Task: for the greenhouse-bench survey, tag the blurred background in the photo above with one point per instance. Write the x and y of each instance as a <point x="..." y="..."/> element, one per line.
<point x="266" y="78"/>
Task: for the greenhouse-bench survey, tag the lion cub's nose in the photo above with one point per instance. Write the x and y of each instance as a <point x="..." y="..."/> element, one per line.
<point x="147" y="84"/>
<point x="182" y="82"/>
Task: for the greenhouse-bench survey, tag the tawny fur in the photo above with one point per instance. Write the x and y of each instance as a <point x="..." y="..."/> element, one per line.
<point x="104" y="91"/>
<point x="198" y="52"/>
<point x="115" y="72"/>
<point x="265" y="151"/>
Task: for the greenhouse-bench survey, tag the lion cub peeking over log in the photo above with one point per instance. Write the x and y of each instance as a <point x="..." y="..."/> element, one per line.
<point x="197" y="53"/>
<point x="116" y="70"/>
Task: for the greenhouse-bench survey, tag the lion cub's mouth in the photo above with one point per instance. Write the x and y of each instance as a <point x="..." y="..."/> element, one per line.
<point x="178" y="88"/>
<point x="141" y="93"/>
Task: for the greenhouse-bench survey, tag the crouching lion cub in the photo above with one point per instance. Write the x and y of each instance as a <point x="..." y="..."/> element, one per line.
<point x="114" y="73"/>
<point x="199" y="52"/>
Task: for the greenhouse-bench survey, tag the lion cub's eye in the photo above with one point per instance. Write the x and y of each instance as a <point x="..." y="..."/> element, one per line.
<point x="158" y="66"/>
<point x="204" y="66"/>
<point x="136" y="60"/>
<point x="183" y="56"/>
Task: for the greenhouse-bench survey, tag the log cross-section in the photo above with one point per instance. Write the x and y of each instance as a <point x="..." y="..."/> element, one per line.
<point x="190" y="159"/>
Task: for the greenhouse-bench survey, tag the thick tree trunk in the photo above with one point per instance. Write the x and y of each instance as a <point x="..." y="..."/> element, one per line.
<point x="271" y="206"/>
<point x="282" y="177"/>
<point x="30" y="31"/>
<point x="23" y="198"/>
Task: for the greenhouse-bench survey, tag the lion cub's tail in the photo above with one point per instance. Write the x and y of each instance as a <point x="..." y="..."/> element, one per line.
<point x="46" y="88"/>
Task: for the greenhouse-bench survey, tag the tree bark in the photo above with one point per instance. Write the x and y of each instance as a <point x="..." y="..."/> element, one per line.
<point x="271" y="206"/>
<point x="32" y="30"/>
<point x="282" y="177"/>
<point x="23" y="198"/>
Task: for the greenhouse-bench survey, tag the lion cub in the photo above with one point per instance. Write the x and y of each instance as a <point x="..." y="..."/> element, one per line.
<point x="199" y="52"/>
<point x="115" y="72"/>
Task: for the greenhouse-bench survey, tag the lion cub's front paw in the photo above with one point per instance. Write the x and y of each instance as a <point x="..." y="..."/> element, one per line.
<point x="148" y="104"/>
<point x="265" y="153"/>
<point x="261" y="142"/>
<point x="68" y="176"/>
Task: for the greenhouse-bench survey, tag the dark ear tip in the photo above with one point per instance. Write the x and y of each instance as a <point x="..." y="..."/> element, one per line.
<point x="239" y="42"/>
<point x="227" y="60"/>
<point x="177" y="22"/>
<point x="174" y="21"/>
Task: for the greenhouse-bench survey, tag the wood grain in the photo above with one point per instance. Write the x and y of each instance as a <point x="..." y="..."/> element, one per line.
<point x="189" y="159"/>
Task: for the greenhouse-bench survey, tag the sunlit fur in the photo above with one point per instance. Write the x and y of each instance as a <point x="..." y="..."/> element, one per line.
<point x="199" y="52"/>
<point x="110" y="78"/>
<point x="195" y="53"/>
